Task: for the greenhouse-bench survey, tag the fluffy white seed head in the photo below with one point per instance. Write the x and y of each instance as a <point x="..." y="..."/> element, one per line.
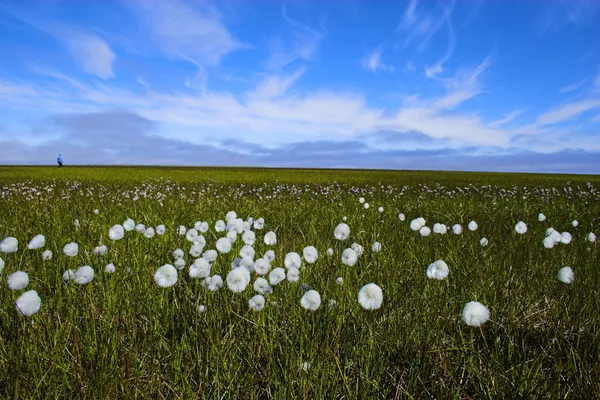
<point x="149" y="232"/>
<point x="220" y="226"/>
<point x="548" y="242"/>
<point x="247" y="251"/>
<point x="18" y="280"/>
<point x="256" y="303"/>
<point x="47" y="255"/>
<point x="370" y="297"/>
<point x="310" y="254"/>
<point x="416" y="224"/>
<point x="565" y="238"/>
<point x="68" y="275"/>
<point x="37" y="242"/>
<point x="311" y="300"/>
<point x="100" y="250"/>
<point x="358" y="249"/>
<point x="28" y="303"/>
<point x="141" y="228"/>
<point x="191" y="235"/>
<point x="425" y="231"/>
<point x="457" y="229"/>
<point x="483" y="242"/>
<point x="261" y="285"/>
<point x="380" y="209"/>
<point x="438" y="270"/>
<point x="230" y="215"/>
<point x="361" y="200"/>
<point x="181" y="230"/>
<point x="339" y="281"/>
<point x="179" y="263"/>
<point x="349" y="257"/>
<point x="71" y="249"/>
<point x="541" y="217"/>
<point x="249" y="238"/>
<point x="223" y="245"/>
<point x="341" y="232"/>
<point x="475" y="314"/>
<point x="473" y="226"/>
<point x="292" y="260"/>
<point x="201" y="308"/>
<point x="521" y="228"/>
<point x="591" y="237"/>
<point x="232" y="236"/>
<point x="565" y="275"/>
<point x="96" y="211"/>
<point x="9" y="245"/>
<point x="246" y="262"/>
<point x="200" y="268"/>
<point x="129" y="225"/>
<point x="401" y="217"/>
<point x="276" y="276"/>
<point x="110" y="269"/>
<point x="367" y="206"/>
<point x="269" y="255"/>
<point x="166" y="276"/>
<point x="293" y="274"/>
<point x="238" y="279"/>
<point x="330" y="252"/>
<point x="262" y="266"/>
<point x="575" y="223"/>
<point x="84" y="275"/>
<point x="116" y="232"/>
<point x="196" y="249"/>
<point x="376" y="247"/>
<point x="160" y="230"/>
<point x="178" y="253"/>
<point x="210" y="255"/>
<point x="213" y="283"/>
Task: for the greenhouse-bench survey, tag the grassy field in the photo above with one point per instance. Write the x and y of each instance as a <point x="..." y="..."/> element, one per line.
<point x="123" y="336"/>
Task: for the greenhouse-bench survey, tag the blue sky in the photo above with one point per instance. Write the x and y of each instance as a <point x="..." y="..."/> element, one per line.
<point x="410" y="84"/>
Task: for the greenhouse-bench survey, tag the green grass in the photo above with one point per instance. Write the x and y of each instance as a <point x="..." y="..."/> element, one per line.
<point x="121" y="336"/>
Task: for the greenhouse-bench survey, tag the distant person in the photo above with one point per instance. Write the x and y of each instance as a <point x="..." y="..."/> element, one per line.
<point x="59" y="160"/>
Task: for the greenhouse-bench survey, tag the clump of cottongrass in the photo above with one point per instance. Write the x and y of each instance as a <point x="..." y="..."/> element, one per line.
<point x="37" y="242"/>
<point x="84" y="275"/>
<point x="238" y="279"/>
<point x="71" y="249"/>
<point x="358" y="249"/>
<point x="100" y="250"/>
<point x="141" y="228"/>
<point x="181" y="230"/>
<point x="332" y="304"/>
<point x="483" y="242"/>
<point x="440" y="229"/>
<point x="223" y="245"/>
<point x="149" y="232"/>
<point x="178" y="253"/>
<point x="191" y="235"/>
<point x="262" y="266"/>
<point x="293" y="274"/>
<point x="575" y="223"/>
<point x="230" y="215"/>
<point x="246" y="262"/>
<point x="129" y="225"/>
<point x="220" y="226"/>
<point x="200" y="268"/>
<point x="376" y="247"/>
<point x="201" y="308"/>
<point x="366" y="205"/>
<point x="473" y="226"/>
<point x="457" y="229"/>
<point x="310" y="254"/>
<point x="370" y="297"/>
<point x="425" y="231"/>
<point x="380" y="209"/>
<point x="591" y="237"/>
<point x="521" y="228"/>
<point x="361" y="200"/>
<point x="330" y="252"/>
<point x="262" y="286"/>
<point x="166" y="276"/>
<point x="249" y="238"/>
<point x="259" y="224"/>
<point x="276" y="276"/>
<point x="47" y="255"/>
<point x="213" y="283"/>
<point x="232" y="236"/>
<point x="349" y="257"/>
<point x="160" y="230"/>
<point x="339" y="281"/>
<point x="68" y="275"/>
<point x="565" y="238"/>
<point x="116" y="232"/>
<point x="9" y="245"/>
<point x="475" y="314"/>
<point x="18" y="280"/>
<point x="256" y="303"/>
<point x="76" y="223"/>
<point x="202" y="227"/>
<point x="110" y="269"/>
<point x="566" y="275"/>
<point x="541" y="217"/>
<point x="96" y="211"/>
<point x="341" y="232"/>
<point x="311" y="300"/>
<point x="438" y="270"/>
<point x="179" y="263"/>
<point x="270" y="239"/>
<point x="269" y="255"/>
<point x="401" y="217"/>
<point x="417" y="223"/>
<point x="548" y="242"/>
<point x="28" y="303"/>
<point x="292" y="260"/>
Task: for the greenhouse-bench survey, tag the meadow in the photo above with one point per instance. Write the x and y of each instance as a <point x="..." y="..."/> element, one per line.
<point x="136" y="329"/>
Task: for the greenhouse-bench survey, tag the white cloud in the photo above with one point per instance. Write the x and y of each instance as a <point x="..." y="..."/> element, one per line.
<point x="373" y="62"/>
<point x="567" y="112"/>
<point x="438" y="68"/>
<point x="572" y="87"/>
<point x="410" y="16"/>
<point x="275" y="86"/>
<point x="507" y="118"/>
<point x="192" y="31"/>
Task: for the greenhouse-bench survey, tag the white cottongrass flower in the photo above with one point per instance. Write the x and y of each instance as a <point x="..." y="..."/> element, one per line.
<point x="236" y="225"/>
<point x="591" y="237"/>
<point x="311" y="300"/>
<point x="361" y="200"/>
<point x="166" y="276"/>
<point x="220" y="226"/>
<point x="475" y="314"/>
<point x="306" y="365"/>
<point x="196" y="249"/>
<point x="191" y="235"/>
<point x="238" y="279"/>
<point x="28" y="303"/>
<point x="349" y="257"/>
<point x="565" y="238"/>
<point x="339" y="281"/>
<point x="149" y="232"/>
<point x="292" y="260"/>
<point x="376" y="247"/>
<point x="401" y="217"/>
<point x="521" y="228"/>
<point x="223" y="245"/>
<point x="259" y="224"/>
<point x="236" y="262"/>
<point x="141" y="228"/>
<point x="201" y="308"/>
<point x="248" y="263"/>
<point x="179" y="263"/>
<point x="367" y="206"/>
<point x="160" y="230"/>
<point x="370" y="297"/>
<point x="541" y="217"/>
<point x="213" y="283"/>
<point x="230" y="215"/>
<point x="575" y="223"/>
<point x="129" y="225"/>
<point x="269" y="255"/>
<point x="17" y="281"/>
<point x="330" y="252"/>
<point x="310" y="254"/>
<point x="457" y="229"/>
<point x="565" y="275"/>
<point x="178" y="253"/>
<point x="68" y="275"/>
<point x="262" y="266"/>
<point x="276" y="276"/>
<point x="483" y="242"/>
<point x="96" y="211"/>
<point x="76" y="223"/>
<point x="202" y="227"/>
<point x="256" y="303"/>
<point x="416" y="224"/>
<point x="100" y="250"/>
<point x="270" y="239"/>
<point x="47" y="255"/>
<point x="425" y="231"/>
<point x="37" y="242"/>
<point x="438" y="270"/>
<point x="116" y="232"/>
<point x="293" y="274"/>
<point x="332" y="303"/>
<point x="548" y="242"/>
<point x="181" y="230"/>
<point x="110" y="268"/>
<point x="341" y="232"/>
<point x="473" y="226"/>
<point x="210" y="255"/>
<point x="200" y="268"/>
<point x="84" y="275"/>
<point x="358" y="249"/>
<point x="261" y="285"/>
<point x="71" y="249"/>
<point x="232" y="236"/>
<point x="9" y="245"/>
<point x="344" y="218"/>
<point x="247" y="251"/>
<point x="440" y="228"/>
<point x="380" y="209"/>
<point x="249" y="238"/>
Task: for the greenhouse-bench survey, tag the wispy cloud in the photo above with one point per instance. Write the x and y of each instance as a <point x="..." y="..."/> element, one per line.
<point x="438" y="67"/>
<point x="572" y="87"/>
<point x="567" y="112"/>
<point x="275" y="86"/>
<point x="373" y="61"/>
<point x="422" y="25"/>
<point x="507" y="118"/>
<point x="300" y="42"/>
<point x="463" y="87"/>
<point x="410" y="16"/>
